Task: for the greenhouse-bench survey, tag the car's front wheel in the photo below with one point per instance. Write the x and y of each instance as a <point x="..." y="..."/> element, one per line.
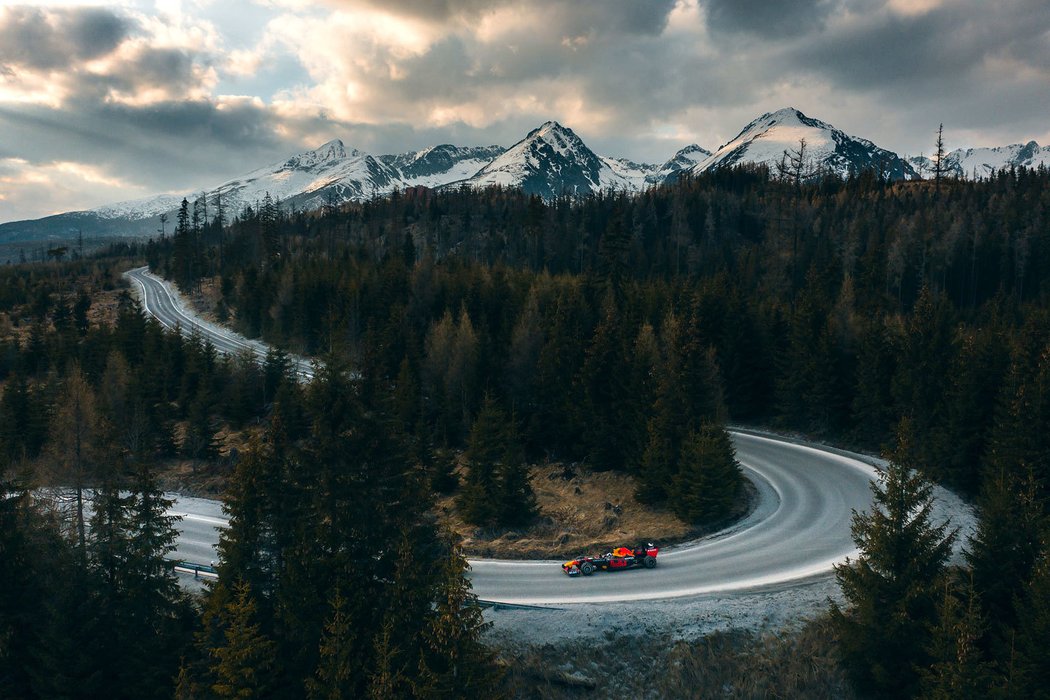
<point x="586" y="568"/>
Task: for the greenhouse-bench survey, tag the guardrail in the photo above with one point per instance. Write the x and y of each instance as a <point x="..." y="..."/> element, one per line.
<point x="497" y="606"/>
<point x="199" y="571"/>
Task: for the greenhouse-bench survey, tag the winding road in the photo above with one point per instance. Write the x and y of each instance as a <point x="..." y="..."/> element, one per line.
<point x="160" y="299"/>
<point x="798" y="531"/>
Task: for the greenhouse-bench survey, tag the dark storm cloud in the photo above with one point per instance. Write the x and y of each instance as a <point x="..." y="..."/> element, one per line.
<point x="172" y="69"/>
<point x="180" y="144"/>
<point x="40" y="39"/>
<point x="767" y="18"/>
<point x="936" y="50"/>
<point x="614" y="71"/>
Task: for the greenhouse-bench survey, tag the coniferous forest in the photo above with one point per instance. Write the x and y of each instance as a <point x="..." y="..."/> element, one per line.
<point x="621" y="331"/>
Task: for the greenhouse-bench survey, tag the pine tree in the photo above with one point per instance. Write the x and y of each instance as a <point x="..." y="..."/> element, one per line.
<point x="709" y="480"/>
<point x="939" y="168"/>
<point x="1033" y="634"/>
<point x="182" y="248"/>
<point x="606" y="402"/>
<point x="40" y="650"/>
<point x="515" y="497"/>
<point x="244" y="546"/>
<point x="245" y="662"/>
<point x="479" y="502"/>
<point x="387" y="680"/>
<point x="1003" y="550"/>
<point x="456" y="663"/>
<point x="892" y="588"/>
<point x="276" y="370"/>
<point x="959" y="669"/>
<point x="200" y="443"/>
<point x="671" y="416"/>
<point x="337" y="671"/>
<point x="923" y="369"/>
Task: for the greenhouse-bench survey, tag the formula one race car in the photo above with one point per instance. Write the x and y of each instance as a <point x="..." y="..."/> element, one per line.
<point x="619" y="559"/>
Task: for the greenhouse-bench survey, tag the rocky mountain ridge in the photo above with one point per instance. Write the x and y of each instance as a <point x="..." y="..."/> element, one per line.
<point x="550" y="161"/>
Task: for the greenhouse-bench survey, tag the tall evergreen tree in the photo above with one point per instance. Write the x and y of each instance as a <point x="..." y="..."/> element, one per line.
<point x="456" y="663"/>
<point x="709" y="481"/>
<point x="496" y="488"/>
<point x="892" y="588"/>
<point x="73" y="447"/>
<point x="334" y="678"/>
<point x="1033" y="635"/>
<point x="958" y="669"/>
<point x="244" y="663"/>
<point x="1003" y="550"/>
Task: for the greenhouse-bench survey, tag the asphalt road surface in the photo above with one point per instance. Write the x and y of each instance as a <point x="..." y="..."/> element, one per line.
<point x="161" y="300"/>
<point x="799" y="529"/>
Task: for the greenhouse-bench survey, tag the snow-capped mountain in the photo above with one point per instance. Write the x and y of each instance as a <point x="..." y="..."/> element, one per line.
<point x="440" y="165"/>
<point x="972" y="163"/>
<point x="766" y="140"/>
<point x="552" y="160"/>
<point x="308" y="180"/>
<point x="685" y="160"/>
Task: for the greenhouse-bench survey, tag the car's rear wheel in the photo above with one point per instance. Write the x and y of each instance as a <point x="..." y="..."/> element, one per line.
<point x="586" y="568"/>
<point x="649" y="562"/>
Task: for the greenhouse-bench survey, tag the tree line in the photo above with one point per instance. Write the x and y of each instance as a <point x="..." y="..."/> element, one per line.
<point x="624" y="331"/>
<point x="334" y="580"/>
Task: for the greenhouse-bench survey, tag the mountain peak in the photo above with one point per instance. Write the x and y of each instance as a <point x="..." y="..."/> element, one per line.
<point x="692" y="148"/>
<point x="785" y="114"/>
<point x="332" y="150"/>
<point x="551" y="128"/>
<point x="768" y="140"/>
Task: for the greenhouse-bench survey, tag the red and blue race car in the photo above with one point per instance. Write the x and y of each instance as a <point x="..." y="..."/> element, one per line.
<point x="619" y="559"/>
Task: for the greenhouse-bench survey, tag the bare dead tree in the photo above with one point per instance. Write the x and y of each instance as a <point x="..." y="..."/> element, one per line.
<point x="938" y="159"/>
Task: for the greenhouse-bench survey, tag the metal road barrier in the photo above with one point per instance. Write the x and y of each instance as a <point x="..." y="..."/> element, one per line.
<point x="198" y="570"/>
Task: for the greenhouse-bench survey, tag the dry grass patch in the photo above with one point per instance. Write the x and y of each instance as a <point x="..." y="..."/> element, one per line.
<point x="581" y="511"/>
<point x="205" y="478"/>
<point x="104" y="307"/>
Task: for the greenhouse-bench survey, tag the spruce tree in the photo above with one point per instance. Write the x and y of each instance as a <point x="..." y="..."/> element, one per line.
<point x="456" y="664"/>
<point x="709" y="480"/>
<point x="477" y="501"/>
<point x="1003" y="550"/>
<point x="605" y="396"/>
<point x="245" y="662"/>
<point x="1032" y="669"/>
<point x="892" y="588"/>
<point x="387" y="680"/>
<point x="671" y="417"/>
<point x="338" y="666"/>
<point x="959" y="668"/>
<point x="515" y="497"/>
<point x="73" y="449"/>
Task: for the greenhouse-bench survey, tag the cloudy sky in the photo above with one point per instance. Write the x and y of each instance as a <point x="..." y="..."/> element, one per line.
<point x="108" y="102"/>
